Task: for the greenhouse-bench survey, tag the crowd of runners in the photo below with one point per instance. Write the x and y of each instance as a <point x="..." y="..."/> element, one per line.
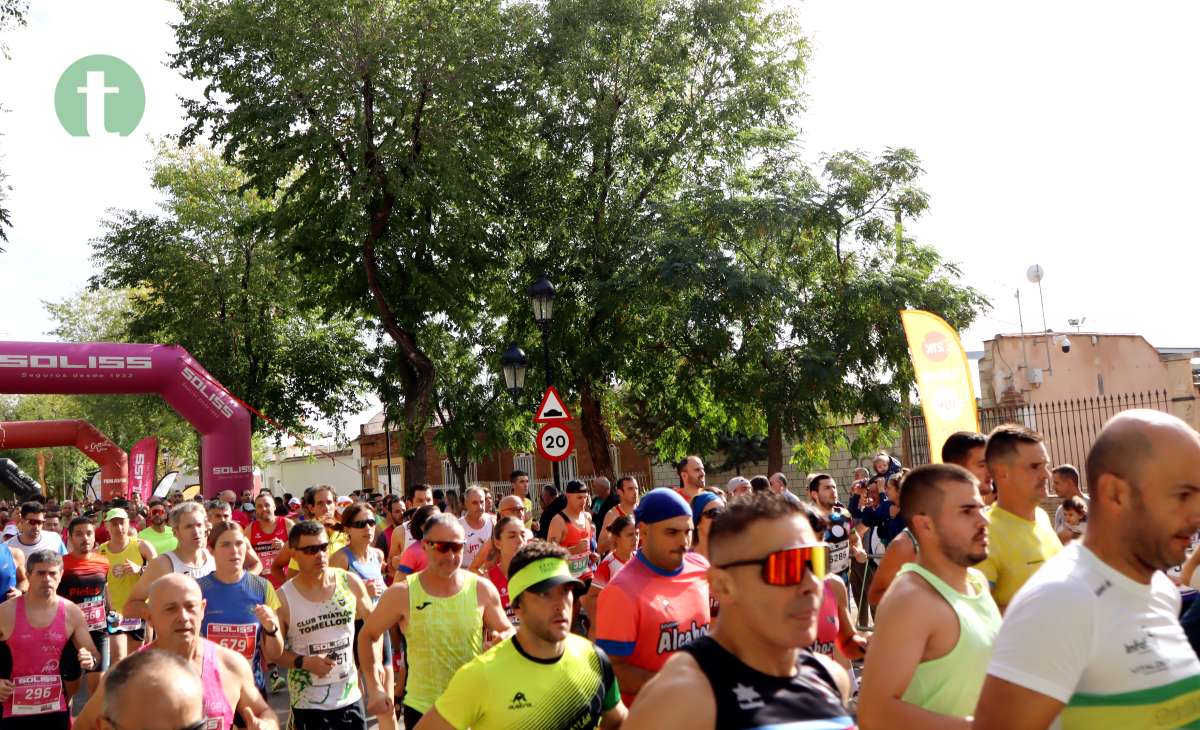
<point x="938" y="597"/>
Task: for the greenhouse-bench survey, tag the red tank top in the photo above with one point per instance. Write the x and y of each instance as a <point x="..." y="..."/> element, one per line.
<point x="261" y="542"/>
<point x="580" y="564"/>
<point x="828" y="624"/>
<point x="37" y="687"/>
<point x="500" y="580"/>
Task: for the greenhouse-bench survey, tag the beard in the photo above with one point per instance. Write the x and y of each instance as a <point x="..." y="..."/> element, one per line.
<point x="967" y="553"/>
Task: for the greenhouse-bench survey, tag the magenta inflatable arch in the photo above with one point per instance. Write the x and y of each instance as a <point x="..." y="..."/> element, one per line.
<point x="129" y="369"/>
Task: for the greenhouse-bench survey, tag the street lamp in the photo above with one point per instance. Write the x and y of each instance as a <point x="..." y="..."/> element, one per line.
<point x="514" y="363"/>
<point x="541" y="295"/>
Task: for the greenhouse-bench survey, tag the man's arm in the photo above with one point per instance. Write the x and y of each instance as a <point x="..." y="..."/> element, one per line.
<point x="603" y="539"/>
<point x="252" y="563"/>
<point x="899" y="552"/>
<point x="849" y="641"/>
<point x="615" y="717"/>
<point x="392" y="610"/>
<point x="279" y="567"/>
<point x="494" y="617"/>
<point x="556" y="530"/>
<point x="135" y="607"/>
<point x="396" y="551"/>
<point x="903" y="624"/>
<point x="22" y="584"/>
<point x="1004" y="705"/>
<point x="81" y="637"/>
<point x="250" y="705"/>
<point x="658" y="703"/>
<point x="147" y="551"/>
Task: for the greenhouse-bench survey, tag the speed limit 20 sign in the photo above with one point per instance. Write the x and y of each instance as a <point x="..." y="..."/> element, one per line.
<point x="555" y="442"/>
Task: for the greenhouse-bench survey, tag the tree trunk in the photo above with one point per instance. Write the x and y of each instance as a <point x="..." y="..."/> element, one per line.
<point x="592" y="423"/>
<point x="774" y="444"/>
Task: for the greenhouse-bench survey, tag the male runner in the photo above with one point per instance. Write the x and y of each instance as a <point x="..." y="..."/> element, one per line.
<point x="543" y="675"/>
<point x="843" y="541"/>
<point x="267" y="535"/>
<point x="31" y="537"/>
<point x="627" y="498"/>
<point x="37" y="628"/>
<point x="572" y="528"/>
<point x="153" y="689"/>
<point x="520" y="487"/>
<point x="477" y="525"/>
<point x="1122" y="660"/>
<point x="85" y="583"/>
<point x="443" y="612"/>
<point x="318" y="609"/>
<point x="1065" y="478"/>
<point x="964" y="448"/>
<point x="127" y="557"/>
<point x="319" y="501"/>
<point x="752" y="672"/>
<point x="935" y="628"/>
<point x="190" y="557"/>
<point x="176" y="610"/>
<point x="393" y="507"/>
<point x="691" y="478"/>
<point x="779" y="487"/>
<point x="13" y="581"/>
<point x="657" y="603"/>
<point x="158" y="533"/>
<point x="1020" y="536"/>
<point x="512" y="506"/>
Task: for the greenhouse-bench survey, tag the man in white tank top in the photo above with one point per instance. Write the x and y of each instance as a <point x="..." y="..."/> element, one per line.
<point x="477" y="524"/>
<point x="190" y="557"/>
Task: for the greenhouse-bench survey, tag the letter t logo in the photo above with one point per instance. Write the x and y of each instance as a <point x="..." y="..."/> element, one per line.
<point x="95" y="92"/>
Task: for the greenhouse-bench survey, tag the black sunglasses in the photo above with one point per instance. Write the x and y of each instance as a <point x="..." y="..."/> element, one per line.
<point x="713" y="513"/>
<point x="361" y="523"/>
<point x="314" y="549"/>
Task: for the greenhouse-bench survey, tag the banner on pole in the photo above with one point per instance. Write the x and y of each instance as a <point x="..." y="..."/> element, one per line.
<point x="943" y="378"/>
<point x="143" y="463"/>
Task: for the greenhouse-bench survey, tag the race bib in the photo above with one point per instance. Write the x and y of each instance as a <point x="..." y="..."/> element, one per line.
<point x="94" y="614"/>
<point x="129" y="624"/>
<point x="36" y="694"/>
<point x="839" y="557"/>
<point x="241" y="638"/>
<point x="266" y="553"/>
<point x="339" y="652"/>
<point x="578" y="564"/>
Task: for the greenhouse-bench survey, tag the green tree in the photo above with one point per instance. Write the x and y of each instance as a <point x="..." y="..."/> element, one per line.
<point x="13" y="13"/>
<point x="209" y="274"/>
<point x="390" y="125"/>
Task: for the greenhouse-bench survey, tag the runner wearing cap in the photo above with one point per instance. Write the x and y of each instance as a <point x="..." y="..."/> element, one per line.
<point x="706" y="507"/>
<point x="572" y="528"/>
<point x="542" y="677"/>
<point x="127" y="557"/>
<point x="658" y="603"/>
<point x="753" y="671"/>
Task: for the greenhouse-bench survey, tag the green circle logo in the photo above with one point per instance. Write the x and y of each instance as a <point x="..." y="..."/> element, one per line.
<point x="99" y="96"/>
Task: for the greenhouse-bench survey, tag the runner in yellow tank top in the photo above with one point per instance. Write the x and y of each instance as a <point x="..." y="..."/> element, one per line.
<point x="128" y="556"/>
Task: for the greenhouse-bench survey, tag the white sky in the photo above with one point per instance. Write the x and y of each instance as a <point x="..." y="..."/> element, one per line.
<point x="1054" y="133"/>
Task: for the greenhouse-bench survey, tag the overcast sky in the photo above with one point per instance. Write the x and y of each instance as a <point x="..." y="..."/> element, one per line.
<point x="1053" y="133"/>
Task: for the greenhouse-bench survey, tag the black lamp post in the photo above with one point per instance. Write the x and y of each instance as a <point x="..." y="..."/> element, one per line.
<point x="514" y="362"/>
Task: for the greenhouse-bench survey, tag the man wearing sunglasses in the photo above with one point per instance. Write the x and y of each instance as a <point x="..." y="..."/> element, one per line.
<point x="444" y="613"/>
<point x="157" y="533"/>
<point x="658" y="602"/>
<point x="31" y="537"/>
<point x="935" y="627"/>
<point x="543" y="671"/>
<point x="752" y="671"/>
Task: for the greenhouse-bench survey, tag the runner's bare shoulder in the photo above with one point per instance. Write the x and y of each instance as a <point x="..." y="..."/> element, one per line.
<point x="658" y="703"/>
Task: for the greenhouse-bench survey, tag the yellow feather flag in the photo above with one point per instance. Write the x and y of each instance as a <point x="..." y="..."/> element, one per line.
<point x="943" y="378"/>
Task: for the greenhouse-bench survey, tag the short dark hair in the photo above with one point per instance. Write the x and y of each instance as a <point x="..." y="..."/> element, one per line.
<point x="532" y="551"/>
<point x="922" y="491"/>
<point x="517" y="474"/>
<point x="1002" y="441"/>
<point x="439" y="494"/>
<point x="744" y="512"/>
<point x="157" y="502"/>
<point x="302" y="528"/>
<point x="416" y="525"/>
<point x="32" y="507"/>
<point x="617" y="526"/>
<point x="760" y="483"/>
<point x="621" y="482"/>
<point x="1067" y="470"/>
<point x="77" y="522"/>
<point x="417" y="488"/>
<point x="815" y="483"/>
<point x="961" y="443"/>
<point x="310" y="494"/>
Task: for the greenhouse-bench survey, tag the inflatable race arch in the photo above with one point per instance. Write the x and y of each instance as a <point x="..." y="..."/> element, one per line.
<point x="130" y="369"/>
<point x="113" y="463"/>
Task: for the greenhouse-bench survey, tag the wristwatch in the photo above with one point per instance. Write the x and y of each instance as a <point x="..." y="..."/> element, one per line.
<point x="299" y="662"/>
<point x="272" y="633"/>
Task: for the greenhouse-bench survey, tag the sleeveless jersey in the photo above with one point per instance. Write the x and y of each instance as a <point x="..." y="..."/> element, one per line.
<point x="163" y="542"/>
<point x="500" y="580"/>
<point x="218" y="713"/>
<point x="37" y="687"/>
<point x="443" y="634"/>
<point x="119" y="588"/>
<point x="84" y="583"/>
<point x="327" y="629"/>
<point x="8" y="573"/>
<point x="370" y="570"/>
<point x="476" y="539"/>
<point x="748" y="699"/>
<point x="206" y="566"/>
<point x="229" y="618"/>
<point x="579" y="564"/>
<point x="263" y="544"/>
<point x="607" y="570"/>
<point x="828" y="623"/>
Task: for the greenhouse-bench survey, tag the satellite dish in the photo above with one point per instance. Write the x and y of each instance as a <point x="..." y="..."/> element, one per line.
<point x="1035" y="273"/>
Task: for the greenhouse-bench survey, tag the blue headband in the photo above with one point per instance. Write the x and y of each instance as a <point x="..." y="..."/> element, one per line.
<point x="660" y="504"/>
<point x="698" y="504"/>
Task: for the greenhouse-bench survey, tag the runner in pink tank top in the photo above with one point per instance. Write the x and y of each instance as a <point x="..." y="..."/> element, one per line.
<point x="36" y="652"/>
<point x="217" y="710"/>
<point x="828" y="625"/>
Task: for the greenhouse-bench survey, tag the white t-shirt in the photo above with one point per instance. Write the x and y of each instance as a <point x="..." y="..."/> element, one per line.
<point x="47" y="541"/>
<point x="476" y="539"/>
<point x="1109" y="648"/>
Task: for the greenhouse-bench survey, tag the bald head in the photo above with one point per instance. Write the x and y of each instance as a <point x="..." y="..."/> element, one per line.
<point x="1131" y="440"/>
<point x="510" y="502"/>
<point x="171" y="588"/>
<point x="153" y="689"/>
<point x="176" y="609"/>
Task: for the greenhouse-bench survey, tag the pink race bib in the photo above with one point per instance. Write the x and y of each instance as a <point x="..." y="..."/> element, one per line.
<point x="36" y="694"/>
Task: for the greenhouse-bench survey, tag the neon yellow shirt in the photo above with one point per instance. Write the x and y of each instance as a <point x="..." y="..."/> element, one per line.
<point x="505" y="688"/>
<point x="1016" y="549"/>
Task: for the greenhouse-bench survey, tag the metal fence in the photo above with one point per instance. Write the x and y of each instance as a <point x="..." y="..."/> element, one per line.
<point x="500" y="490"/>
<point x="1069" y="426"/>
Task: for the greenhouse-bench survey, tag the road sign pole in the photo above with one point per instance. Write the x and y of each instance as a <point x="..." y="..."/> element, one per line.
<point x="550" y="382"/>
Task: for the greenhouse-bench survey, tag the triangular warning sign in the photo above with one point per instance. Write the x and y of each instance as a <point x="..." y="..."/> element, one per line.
<point x="552" y="409"/>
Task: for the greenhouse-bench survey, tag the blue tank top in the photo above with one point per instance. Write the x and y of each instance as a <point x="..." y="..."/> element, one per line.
<point x="229" y="618"/>
<point x="8" y="572"/>
<point x="370" y="570"/>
